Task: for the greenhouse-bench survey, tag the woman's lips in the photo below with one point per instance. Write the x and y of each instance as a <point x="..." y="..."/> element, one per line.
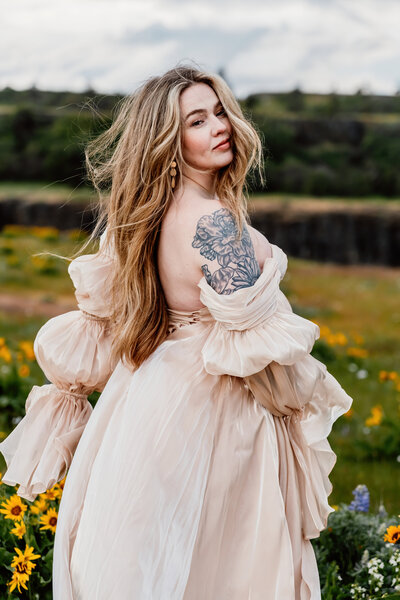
<point x="223" y="145"/>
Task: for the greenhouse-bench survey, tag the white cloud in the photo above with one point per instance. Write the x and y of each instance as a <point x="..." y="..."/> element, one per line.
<point x="262" y="44"/>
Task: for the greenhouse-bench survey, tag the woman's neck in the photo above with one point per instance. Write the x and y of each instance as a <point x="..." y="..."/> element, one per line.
<point x="203" y="182"/>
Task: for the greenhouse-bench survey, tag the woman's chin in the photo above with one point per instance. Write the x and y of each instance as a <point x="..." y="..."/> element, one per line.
<point x="224" y="160"/>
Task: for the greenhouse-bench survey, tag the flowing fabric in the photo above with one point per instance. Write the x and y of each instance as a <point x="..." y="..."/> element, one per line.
<point x="201" y="475"/>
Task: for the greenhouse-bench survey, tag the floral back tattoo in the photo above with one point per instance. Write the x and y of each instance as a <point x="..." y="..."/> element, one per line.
<point x="216" y="238"/>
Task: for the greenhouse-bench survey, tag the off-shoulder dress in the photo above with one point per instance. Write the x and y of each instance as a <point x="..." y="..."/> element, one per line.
<point x="201" y="475"/>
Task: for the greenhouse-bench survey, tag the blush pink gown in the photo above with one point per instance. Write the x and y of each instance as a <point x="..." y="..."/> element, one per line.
<point x="201" y="475"/>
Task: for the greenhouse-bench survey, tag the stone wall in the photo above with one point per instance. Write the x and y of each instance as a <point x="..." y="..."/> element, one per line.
<point x="338" y="232"/>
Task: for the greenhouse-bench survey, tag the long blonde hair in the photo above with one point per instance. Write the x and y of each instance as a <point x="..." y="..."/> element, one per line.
<point x="129" y="166"/>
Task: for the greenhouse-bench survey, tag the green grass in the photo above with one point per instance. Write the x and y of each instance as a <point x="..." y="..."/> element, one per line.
<point x="44" y="191"/>
<point x="23" y="275"/>
<point x="64" y="193"/>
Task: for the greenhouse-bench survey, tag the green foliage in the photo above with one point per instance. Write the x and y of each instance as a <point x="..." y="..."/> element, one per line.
<point x="313" y="143"/>
<point x="381" y="442"/>
<point x="348" y="552"/>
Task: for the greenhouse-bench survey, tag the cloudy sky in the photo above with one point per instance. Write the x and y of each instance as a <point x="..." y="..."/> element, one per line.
<point x="262" y="45"/>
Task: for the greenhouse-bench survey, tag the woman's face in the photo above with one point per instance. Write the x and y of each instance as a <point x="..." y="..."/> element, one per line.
<point x="205" y="125"/>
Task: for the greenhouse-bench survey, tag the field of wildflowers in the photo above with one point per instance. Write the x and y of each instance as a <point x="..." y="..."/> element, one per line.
<point x="359" y="552"/>
<point x="26" y="542"/>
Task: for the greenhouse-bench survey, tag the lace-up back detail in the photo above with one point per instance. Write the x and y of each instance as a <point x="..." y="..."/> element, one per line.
<point x="182" y="318"/>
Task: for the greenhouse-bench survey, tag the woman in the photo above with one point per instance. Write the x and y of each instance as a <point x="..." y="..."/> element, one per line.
<point x="202" y="472"/>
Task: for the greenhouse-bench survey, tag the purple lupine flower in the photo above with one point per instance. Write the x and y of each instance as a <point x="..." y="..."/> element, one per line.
<point x="361" y="499"/>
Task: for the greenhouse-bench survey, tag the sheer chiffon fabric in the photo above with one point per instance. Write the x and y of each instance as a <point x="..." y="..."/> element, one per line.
<point x="201" y="475"/>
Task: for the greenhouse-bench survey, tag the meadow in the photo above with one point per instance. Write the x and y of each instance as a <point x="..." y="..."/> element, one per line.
<point x="357" y="310"/>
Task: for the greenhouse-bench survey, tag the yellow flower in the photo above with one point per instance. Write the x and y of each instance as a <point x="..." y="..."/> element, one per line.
<point x="331" y="339"/>
<point x="353" y="351"/>
<point x="23" y="561"/>
<point x="341" y="339"/>
<point x="57" y="490"/>
<point x="27" y="347"/>
<point x="2" y="341"/>
<point x="392" y="534"/>
<point x="19" y="529"/>
<point x="383" y="375"/>
<point x="5" y="354"/>
<point x="44" y="232"/>
<point x="324" y="330"/>
<point x="62" y="482"/>
<point x="15" y="229"/>
<point x="14" y="508"/>
<point x="393" y="376"/>
<point x="23" y="371"/>
<point x="349" y="413"/>
<point x="335" y="507"/>
<point x="376" y="418"/>
<point x="49" y="520"/>
<point x="50" y="494"/>
<point x="17" y="580"/>
<point x="39" y="506"/>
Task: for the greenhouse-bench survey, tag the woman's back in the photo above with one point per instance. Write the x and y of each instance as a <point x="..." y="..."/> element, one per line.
<point x="179" y="263"/>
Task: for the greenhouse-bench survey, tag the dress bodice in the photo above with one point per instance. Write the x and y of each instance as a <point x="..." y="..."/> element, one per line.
<point x="181" y="318"/>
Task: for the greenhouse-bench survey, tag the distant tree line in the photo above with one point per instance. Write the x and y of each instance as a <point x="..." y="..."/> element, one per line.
<point x="313" y="144"/>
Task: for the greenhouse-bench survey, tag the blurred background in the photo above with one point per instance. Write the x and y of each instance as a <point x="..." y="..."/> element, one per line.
<point x="321" y="82"/>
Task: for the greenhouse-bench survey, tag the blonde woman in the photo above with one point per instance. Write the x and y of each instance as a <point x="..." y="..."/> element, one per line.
<point x="202" y="471"/>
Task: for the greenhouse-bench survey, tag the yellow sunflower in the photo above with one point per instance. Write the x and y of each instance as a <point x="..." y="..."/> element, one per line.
<point x="19" y="529"/>
<point x="392" y="534"/>
<point x="39" y="506"/>
<point x="17" y="580"/>
<point x="50" y="494"/>
<point x="62" y="482"/>
<point x="14" y="508"/>
<point x="23" y="562"/>
<point x="49" y="520"/>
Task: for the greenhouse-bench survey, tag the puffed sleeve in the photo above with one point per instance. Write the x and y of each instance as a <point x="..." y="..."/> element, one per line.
<point x="255" y="335"/>
<point x="73" y="350"/>
<point x="255" y="325"/>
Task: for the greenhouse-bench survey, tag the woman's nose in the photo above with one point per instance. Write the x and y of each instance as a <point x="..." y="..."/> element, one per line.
<point x="218" y="125"/>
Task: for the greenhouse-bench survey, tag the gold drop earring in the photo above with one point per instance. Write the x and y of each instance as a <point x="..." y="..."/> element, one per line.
<point x="173" y="173"/>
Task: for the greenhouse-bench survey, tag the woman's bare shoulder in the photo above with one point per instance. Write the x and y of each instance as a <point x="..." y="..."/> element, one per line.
<point x="261" y="244"/>
<point x="184" y="218"/>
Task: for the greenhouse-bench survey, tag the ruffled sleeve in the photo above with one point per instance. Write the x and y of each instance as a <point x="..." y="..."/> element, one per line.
<point x="73" y="350"/>
<point x="255" y="335"/>
<point x="255" y="325"/>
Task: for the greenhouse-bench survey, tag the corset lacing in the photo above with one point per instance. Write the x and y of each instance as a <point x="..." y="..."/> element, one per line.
<point x="181" y="318"/>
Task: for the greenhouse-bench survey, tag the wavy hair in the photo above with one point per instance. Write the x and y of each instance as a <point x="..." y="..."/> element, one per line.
<point x="128" y="164"/>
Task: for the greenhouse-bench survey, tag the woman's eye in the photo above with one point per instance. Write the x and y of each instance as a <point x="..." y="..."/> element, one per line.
<point x="220" y="112"/>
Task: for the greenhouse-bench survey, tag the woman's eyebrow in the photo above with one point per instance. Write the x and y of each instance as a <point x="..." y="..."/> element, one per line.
<point x="201" y="110"/>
